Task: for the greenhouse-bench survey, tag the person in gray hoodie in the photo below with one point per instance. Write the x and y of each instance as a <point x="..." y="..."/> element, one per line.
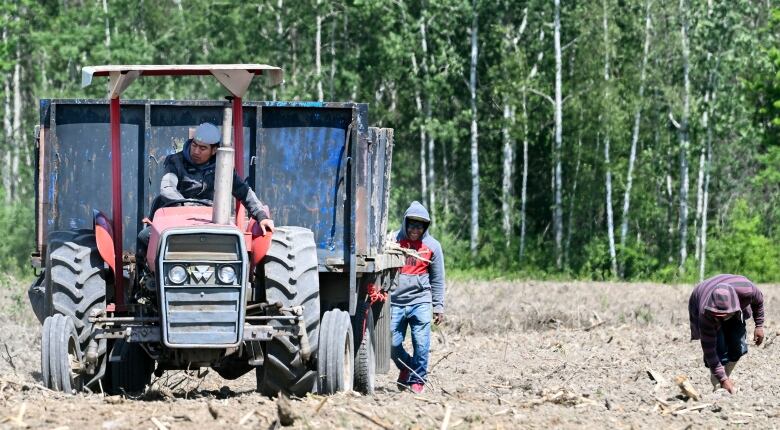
<point x="418" y="299"/>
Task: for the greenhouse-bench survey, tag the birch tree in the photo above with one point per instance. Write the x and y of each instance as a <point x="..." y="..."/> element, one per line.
<point x="318" y="52"/>
<point x="607" y="164"/>
<point x="683" y="134"/>
<point x="474" y="134"/>
<point x="635" y="129"/>
<point x="558" y="147"/>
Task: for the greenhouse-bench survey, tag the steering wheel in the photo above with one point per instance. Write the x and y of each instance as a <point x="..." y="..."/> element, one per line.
<point x="198" y="202"/>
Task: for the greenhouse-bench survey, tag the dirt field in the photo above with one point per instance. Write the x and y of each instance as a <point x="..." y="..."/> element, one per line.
<point x="519" y="355"/>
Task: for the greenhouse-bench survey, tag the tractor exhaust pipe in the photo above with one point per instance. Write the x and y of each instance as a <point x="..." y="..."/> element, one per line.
<point x="223" y="176"/>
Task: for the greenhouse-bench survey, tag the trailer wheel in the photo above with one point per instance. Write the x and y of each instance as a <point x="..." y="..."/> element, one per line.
<point x="365" y="360"/>
<point x="61" y="355"/>
<point x="335" y="364"/>
<point x="130" y="368"/>
<point x="291" y="279"/>
<point x="382" y="337"/>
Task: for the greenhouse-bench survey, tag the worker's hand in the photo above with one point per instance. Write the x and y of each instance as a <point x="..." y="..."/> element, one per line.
<point x="728" y="386"/>
<point x="266" y="225"/>
<point x="438" y="318"/>
<point x="758" y="335"/>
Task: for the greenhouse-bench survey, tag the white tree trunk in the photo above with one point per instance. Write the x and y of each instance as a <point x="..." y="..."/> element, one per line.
<point x="445" y="176"/>
<point x="700" y="193"/>
<point x="9" y="132"/>
<point x="428" y="120"/>
<point x="474" y="136"/>
<point x="18" y="139"/>
<point x="607" y="164"/>
<point x="524" y="186"/>
<point x="332" y="77"/>
<point x="423" y="161"/>
<point x="280" y="38"/>
<point x="705" y="200"/>
<point x="508" y="170"/>
<point x="684" y="143"/>
<point x="108" y="25"/>
<point x="557" y="164"/>
<point x="635" y="131"/>
<point x="318" y="52"/>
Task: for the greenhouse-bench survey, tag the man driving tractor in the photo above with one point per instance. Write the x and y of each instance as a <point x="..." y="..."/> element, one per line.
<point x="189" y="174"/>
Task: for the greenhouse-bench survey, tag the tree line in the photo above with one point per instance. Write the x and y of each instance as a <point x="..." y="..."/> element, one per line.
<point x="612" y="139"/>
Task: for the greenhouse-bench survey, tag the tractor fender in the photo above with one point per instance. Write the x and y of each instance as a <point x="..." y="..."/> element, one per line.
<point x="259" y="243"/>
<point x="104" y="236"/>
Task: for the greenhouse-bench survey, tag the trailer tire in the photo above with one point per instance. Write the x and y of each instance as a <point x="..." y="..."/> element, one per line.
<point x="59" y="352"/>
<point x="130" y="368"/>
<point x="365" y="361"/>
<point x="336" y="358"/>
<point x="383" y="315"/>
<point x="291" y="279"/>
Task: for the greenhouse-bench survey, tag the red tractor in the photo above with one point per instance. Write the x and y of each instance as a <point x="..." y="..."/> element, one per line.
<point x="305" y="307"/>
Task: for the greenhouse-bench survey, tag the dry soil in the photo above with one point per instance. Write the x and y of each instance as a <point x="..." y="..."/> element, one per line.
<point x="511" y="355"/>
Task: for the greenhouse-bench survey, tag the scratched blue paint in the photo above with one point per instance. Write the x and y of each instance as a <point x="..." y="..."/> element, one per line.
<point x="299" y="169"/>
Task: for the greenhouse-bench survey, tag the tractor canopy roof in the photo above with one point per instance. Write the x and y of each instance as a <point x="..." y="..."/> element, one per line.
<point x="234" y="77"/>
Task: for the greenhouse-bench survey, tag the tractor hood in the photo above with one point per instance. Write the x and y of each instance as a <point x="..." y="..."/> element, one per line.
<point x="185" y="217"/>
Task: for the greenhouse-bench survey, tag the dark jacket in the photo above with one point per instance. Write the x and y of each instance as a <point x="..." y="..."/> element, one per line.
<point x="185" y="180"/>
<point x="420" y="281"/>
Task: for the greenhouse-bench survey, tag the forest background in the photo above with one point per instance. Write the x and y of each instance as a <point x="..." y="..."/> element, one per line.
<point x="611" y="139"/>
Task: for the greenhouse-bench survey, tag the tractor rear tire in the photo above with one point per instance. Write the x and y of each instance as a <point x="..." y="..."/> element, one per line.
<point x="291" y="279"/>
<point x="132" y="369"/>
<point x="336" y="358"/>
<point x="75" y="277"/>
<point x="382" y="337"/>
<point x="60" y="355"/>
<point x="365" y="360"/>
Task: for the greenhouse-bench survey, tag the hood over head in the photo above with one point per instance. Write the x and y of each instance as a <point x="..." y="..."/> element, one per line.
<point x="416" y="211"/>
<point x="723" y="299"/>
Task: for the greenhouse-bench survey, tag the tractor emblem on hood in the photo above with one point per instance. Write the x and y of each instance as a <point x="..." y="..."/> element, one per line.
<point x="201" y="273"/>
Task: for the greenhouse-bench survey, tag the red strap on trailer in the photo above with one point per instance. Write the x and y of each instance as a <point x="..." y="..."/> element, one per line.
<point x="374" y="294"/>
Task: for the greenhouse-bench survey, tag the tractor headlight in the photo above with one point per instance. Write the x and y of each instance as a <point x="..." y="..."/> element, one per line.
<point x="227" y="274"/>
<point x="177" y="274"/>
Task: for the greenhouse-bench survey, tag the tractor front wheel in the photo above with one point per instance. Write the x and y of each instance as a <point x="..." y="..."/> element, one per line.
<point x="61" y="356"/>
<point x="335" y="363"/>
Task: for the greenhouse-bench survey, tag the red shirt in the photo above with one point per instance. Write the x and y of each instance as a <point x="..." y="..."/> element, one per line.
<point x="413" y="265"/>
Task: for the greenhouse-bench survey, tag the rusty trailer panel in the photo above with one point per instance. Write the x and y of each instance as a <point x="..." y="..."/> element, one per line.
<point x="316" y="165"/>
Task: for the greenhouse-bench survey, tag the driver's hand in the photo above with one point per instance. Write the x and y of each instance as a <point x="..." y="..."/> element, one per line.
<point x="266" y="225"/>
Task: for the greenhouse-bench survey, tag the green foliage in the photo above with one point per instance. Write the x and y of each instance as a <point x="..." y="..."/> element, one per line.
<point x="17" y="231"/>
<point x="372" y="51"/>
<point x="740" y="247"/>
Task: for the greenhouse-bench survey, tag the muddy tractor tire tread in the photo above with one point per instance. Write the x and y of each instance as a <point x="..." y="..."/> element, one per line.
<point x="76" y="278"/>
<point x="292" y="279"/>
<point x="382" y="336"/>
<point x="60" y="348"/>
<point x="336" y="353"/>
<point x="365" y="359"/>
<point x="133" y="372"/>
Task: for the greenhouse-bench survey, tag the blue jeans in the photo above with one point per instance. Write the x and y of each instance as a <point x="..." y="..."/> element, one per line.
<point x="418" y="319"/>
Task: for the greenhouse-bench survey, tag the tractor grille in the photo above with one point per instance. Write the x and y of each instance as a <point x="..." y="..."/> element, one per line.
<point x="200" y="309"/>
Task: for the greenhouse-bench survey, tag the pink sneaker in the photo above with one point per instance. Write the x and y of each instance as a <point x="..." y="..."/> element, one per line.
<point x="403" y="377"/>
<point x="417" y="388"/>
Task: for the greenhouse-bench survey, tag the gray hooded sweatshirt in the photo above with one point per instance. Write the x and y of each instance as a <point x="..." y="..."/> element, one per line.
<point x="420" y="281"/>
